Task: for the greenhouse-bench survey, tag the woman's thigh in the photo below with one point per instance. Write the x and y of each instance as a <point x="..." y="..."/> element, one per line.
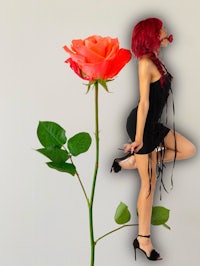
<point x="175" y="140"/>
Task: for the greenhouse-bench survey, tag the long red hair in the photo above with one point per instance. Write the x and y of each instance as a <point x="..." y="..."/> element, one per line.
<point x="146" y="41"/>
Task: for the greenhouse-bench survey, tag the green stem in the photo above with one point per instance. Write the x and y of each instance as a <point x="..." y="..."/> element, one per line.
<point x="79" y="179"/>
<point x="117" y="229"/>
<point x="92" y="242"/>
<point x="81" y="184"/>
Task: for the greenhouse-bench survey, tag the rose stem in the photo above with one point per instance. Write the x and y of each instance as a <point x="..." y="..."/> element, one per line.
<point x="92" y="242"/>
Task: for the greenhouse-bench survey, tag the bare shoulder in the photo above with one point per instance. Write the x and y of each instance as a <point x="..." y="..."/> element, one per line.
<point x="145" y="68"/>
<point x="145" y="63"/>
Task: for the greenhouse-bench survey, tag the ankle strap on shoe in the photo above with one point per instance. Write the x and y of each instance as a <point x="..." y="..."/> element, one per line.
<point x="145" y="236"/>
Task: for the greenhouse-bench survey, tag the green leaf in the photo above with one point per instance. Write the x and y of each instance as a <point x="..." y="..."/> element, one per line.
<point x="63" y="167"/>
<point x="160" y="215"/>
<point x="51" y="134"/>
<point x="55" y="154"/>
<point x="89" y="85"/>
<point x="79" y="143"/>
<point x="103" y="83"/>
<point x="122" y="214"/>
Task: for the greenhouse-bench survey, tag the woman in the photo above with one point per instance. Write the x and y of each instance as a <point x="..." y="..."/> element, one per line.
<point x="152" y="143"/>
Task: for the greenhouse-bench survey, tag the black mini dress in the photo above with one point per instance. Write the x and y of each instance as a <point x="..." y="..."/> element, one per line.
<point x="154" y="131"/>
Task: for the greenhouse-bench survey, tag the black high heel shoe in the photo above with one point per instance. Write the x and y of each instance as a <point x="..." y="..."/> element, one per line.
<point x="115" y="166"/>
<point x="154" y="255"/>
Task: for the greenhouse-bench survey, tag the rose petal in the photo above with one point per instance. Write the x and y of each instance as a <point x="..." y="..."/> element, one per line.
<point x="106" y="47"/>
<point x="107" y="69"/>
<point x="74" y="66"/>
<point x="76" y="57"/>
<point x="93" y="49"/>
<point x="95" y="71"/>
<point x="89" y="55"/>
<point x="115" y="65"/>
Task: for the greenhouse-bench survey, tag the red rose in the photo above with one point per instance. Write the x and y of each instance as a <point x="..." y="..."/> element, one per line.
<point x="97" y="57"/>
<point x="170" y="38"/>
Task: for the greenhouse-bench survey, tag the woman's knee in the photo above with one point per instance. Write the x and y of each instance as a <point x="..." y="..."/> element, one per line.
<point x="184" y="147"/>
<point x="190" y="150"/>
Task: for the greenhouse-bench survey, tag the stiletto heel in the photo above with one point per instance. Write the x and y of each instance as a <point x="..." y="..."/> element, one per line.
<point x="135" y="252"/>
<point x="135" y="245"/>
<point x="154" y="255"/>
<point x="115" y="166"/>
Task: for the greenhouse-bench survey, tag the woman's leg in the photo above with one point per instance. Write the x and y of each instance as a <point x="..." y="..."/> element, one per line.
<point x="184" y="148"/>
<point x="145" y="198"/>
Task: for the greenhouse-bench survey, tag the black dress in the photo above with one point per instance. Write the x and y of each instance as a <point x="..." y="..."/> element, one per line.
<point x="154" y="131"/>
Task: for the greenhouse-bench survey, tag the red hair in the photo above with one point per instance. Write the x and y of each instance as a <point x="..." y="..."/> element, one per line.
<point x="146" y="41"/>
<point x="145" y="36"/>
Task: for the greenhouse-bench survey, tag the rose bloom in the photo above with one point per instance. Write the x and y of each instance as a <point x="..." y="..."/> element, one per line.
<point x="97" y="58"/>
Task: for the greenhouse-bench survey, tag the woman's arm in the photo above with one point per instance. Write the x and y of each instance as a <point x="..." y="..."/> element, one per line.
<point x="145" y="77"/>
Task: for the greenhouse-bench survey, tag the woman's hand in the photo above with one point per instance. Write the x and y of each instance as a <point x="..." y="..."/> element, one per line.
<point x="133" y="147"/>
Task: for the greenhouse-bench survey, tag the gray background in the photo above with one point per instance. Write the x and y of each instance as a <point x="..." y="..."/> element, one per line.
<point x="43" y="215"/>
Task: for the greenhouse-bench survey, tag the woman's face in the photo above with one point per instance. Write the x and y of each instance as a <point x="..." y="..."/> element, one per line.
<point x="163" y="37"/>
